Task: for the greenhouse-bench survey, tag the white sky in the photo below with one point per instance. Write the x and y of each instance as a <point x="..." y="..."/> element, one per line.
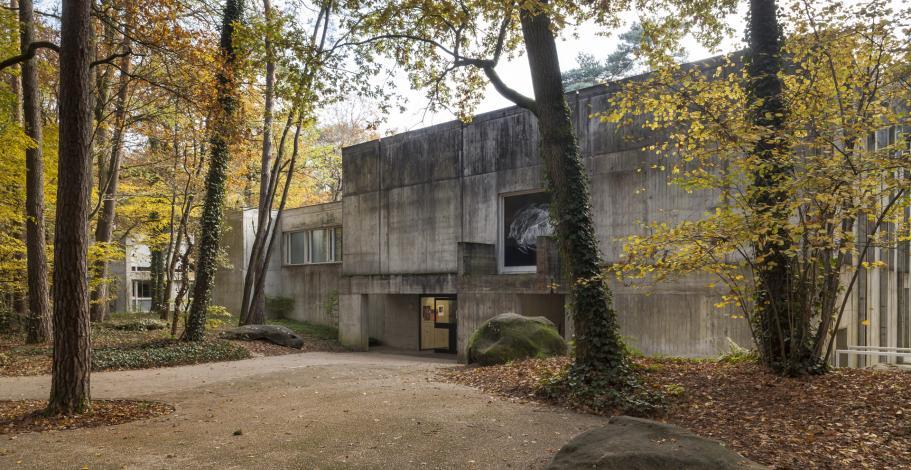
<point x="516" y="73"/>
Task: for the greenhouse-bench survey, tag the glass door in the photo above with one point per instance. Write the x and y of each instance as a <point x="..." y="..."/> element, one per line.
<point x="438" y="324"/>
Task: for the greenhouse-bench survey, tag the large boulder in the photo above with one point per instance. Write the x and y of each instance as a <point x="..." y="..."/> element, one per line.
<point x="509" y="336"/>
<point x="277" y="334"/>
<point x="627" y="443"/>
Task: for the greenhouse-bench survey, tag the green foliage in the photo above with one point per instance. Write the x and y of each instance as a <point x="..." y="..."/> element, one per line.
<point x="144" y="324"/>
<point x="217" y="316"/>
<point x="279" y="307"/>
<point x="165" y="353"/>
<point x="674" y="390"/>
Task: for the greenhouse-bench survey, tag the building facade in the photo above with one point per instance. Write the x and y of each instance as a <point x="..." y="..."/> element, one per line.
<point x="442" y="228"/>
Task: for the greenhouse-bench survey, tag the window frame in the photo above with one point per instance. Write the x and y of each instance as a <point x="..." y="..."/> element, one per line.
<point x="332" y="256"/>
<point x="501" y="235"/>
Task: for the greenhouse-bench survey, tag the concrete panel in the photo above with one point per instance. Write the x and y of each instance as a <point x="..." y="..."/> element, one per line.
<point x="361" y="224"/>
<point x="400" y="322"/>
<point x="423" y="228"/>
<point x="353" y="321"/>
<point x="421" y="156"/>
<point x="313" y="288"/>
<point x="361" y="168"/>
<point x="678" y="319"/>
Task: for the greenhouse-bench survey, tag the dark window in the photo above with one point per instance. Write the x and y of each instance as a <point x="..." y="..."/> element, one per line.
<point x="142" y="289"/>
<point x="525" y="218"/>
<point x="322" y="245"/>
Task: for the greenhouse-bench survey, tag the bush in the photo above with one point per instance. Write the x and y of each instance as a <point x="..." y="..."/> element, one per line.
<point x="738" y="354"/>
<point x="216" y="316"/>
<point x="145" y="324"/>
<point x="164" y="353"/>
<point x="279" y="307"/>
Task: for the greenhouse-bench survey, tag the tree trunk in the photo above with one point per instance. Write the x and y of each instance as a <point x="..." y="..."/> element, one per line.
<point x="213" y="206"/>
<point x="784" y="343"/>
<point x="108" y="181"/>
<point x="257" y="311"/>
<point x="600" y="355"/>
<point x="72" y="344"/>
<point x="253" y="304"/>
<point x="39" y="315"/>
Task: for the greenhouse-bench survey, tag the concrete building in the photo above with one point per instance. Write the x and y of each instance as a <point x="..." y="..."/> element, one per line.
<point x="444" y="227"/>
<point x="132" y="286"/>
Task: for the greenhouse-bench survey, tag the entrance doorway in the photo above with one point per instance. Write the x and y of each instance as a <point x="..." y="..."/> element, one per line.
<point x="438" y="324"/>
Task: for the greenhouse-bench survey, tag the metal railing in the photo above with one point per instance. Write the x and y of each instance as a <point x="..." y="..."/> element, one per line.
<point x="872" y="351"/>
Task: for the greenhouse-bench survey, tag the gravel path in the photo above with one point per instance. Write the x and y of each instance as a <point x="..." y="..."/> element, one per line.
<point x="312" y="410"/>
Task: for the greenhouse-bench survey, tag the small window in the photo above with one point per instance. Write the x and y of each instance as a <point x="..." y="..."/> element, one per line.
<point x="523" y="218"/>
<point x="142" y="289"/>
<point x="323" y="245"/>
<point x="297" y="247"/>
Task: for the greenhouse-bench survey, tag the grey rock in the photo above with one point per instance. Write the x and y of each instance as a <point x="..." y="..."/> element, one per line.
<point x="277" y="334"/>
<point x="627" y="443"/>
<point x="509" y="336"/>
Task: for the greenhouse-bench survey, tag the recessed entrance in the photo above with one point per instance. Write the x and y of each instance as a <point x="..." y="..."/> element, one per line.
<point x="438" y="324"/>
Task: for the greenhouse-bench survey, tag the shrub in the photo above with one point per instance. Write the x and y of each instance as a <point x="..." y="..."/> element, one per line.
<point x="216" y="316"/>
<point x="279" y="307"/>
<point x="738" y="354"/>
<point x="145" y="324"/>
<point x="164" y="353"/>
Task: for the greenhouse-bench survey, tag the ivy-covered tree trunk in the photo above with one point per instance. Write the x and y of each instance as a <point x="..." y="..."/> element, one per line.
<point x="156" y="272"/>
<point x="39" y="314"/>
<point x="782" y="326"/>
<point x="213" y="206"/>
<point x="600" y="357"/>
<point x="108" y="182"/>
<point x="72" y="361"/>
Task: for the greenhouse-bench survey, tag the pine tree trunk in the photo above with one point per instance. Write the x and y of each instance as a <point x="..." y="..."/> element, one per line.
<point x="104" y="230"/>
<point x="599" y="351"/>
<point x="213" y="206"/>
<point x="39" y="314"/>
<point x="72" y="343"/>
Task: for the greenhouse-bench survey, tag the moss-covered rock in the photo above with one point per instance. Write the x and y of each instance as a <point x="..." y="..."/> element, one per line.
<point x="509" y="336"/>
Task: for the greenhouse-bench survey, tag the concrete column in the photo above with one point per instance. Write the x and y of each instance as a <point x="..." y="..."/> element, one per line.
<point x="352" y="321"/>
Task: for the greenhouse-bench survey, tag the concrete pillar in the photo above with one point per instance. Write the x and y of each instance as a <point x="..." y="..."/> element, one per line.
<point x="352" y="321"/>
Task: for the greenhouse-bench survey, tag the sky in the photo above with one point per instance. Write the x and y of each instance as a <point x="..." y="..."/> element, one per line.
<point x="516" y="73"/>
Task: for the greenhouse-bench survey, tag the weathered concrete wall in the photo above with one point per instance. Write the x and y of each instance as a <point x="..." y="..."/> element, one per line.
<point x="402" y="206"/>
<point x="314" y="288"/>
<point x="239" y="229"/>
<point x="428" y="202"/>
<point x="393" y="320"/>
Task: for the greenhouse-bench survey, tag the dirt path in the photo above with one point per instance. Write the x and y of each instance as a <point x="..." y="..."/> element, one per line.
<point x="313" y="410"/>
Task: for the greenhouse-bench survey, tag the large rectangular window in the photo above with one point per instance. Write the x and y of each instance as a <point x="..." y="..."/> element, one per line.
<point x="322" y="245"/>
<point x="523" y="218"/>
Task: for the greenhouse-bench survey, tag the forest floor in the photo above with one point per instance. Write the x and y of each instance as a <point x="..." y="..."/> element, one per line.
<point x="848" y="418"/>
<point x="313" y="410"/>
<point x="143" y="341"/>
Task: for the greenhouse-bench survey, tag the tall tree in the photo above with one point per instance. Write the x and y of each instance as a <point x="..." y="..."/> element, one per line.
<point x="70" y="391"/>
<point x="108" y="180"/>
<point x="39" y="316"/>
<point x="786" y="349"/>
<point x="799" y="145"/>
<point x="213" y="207"/>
